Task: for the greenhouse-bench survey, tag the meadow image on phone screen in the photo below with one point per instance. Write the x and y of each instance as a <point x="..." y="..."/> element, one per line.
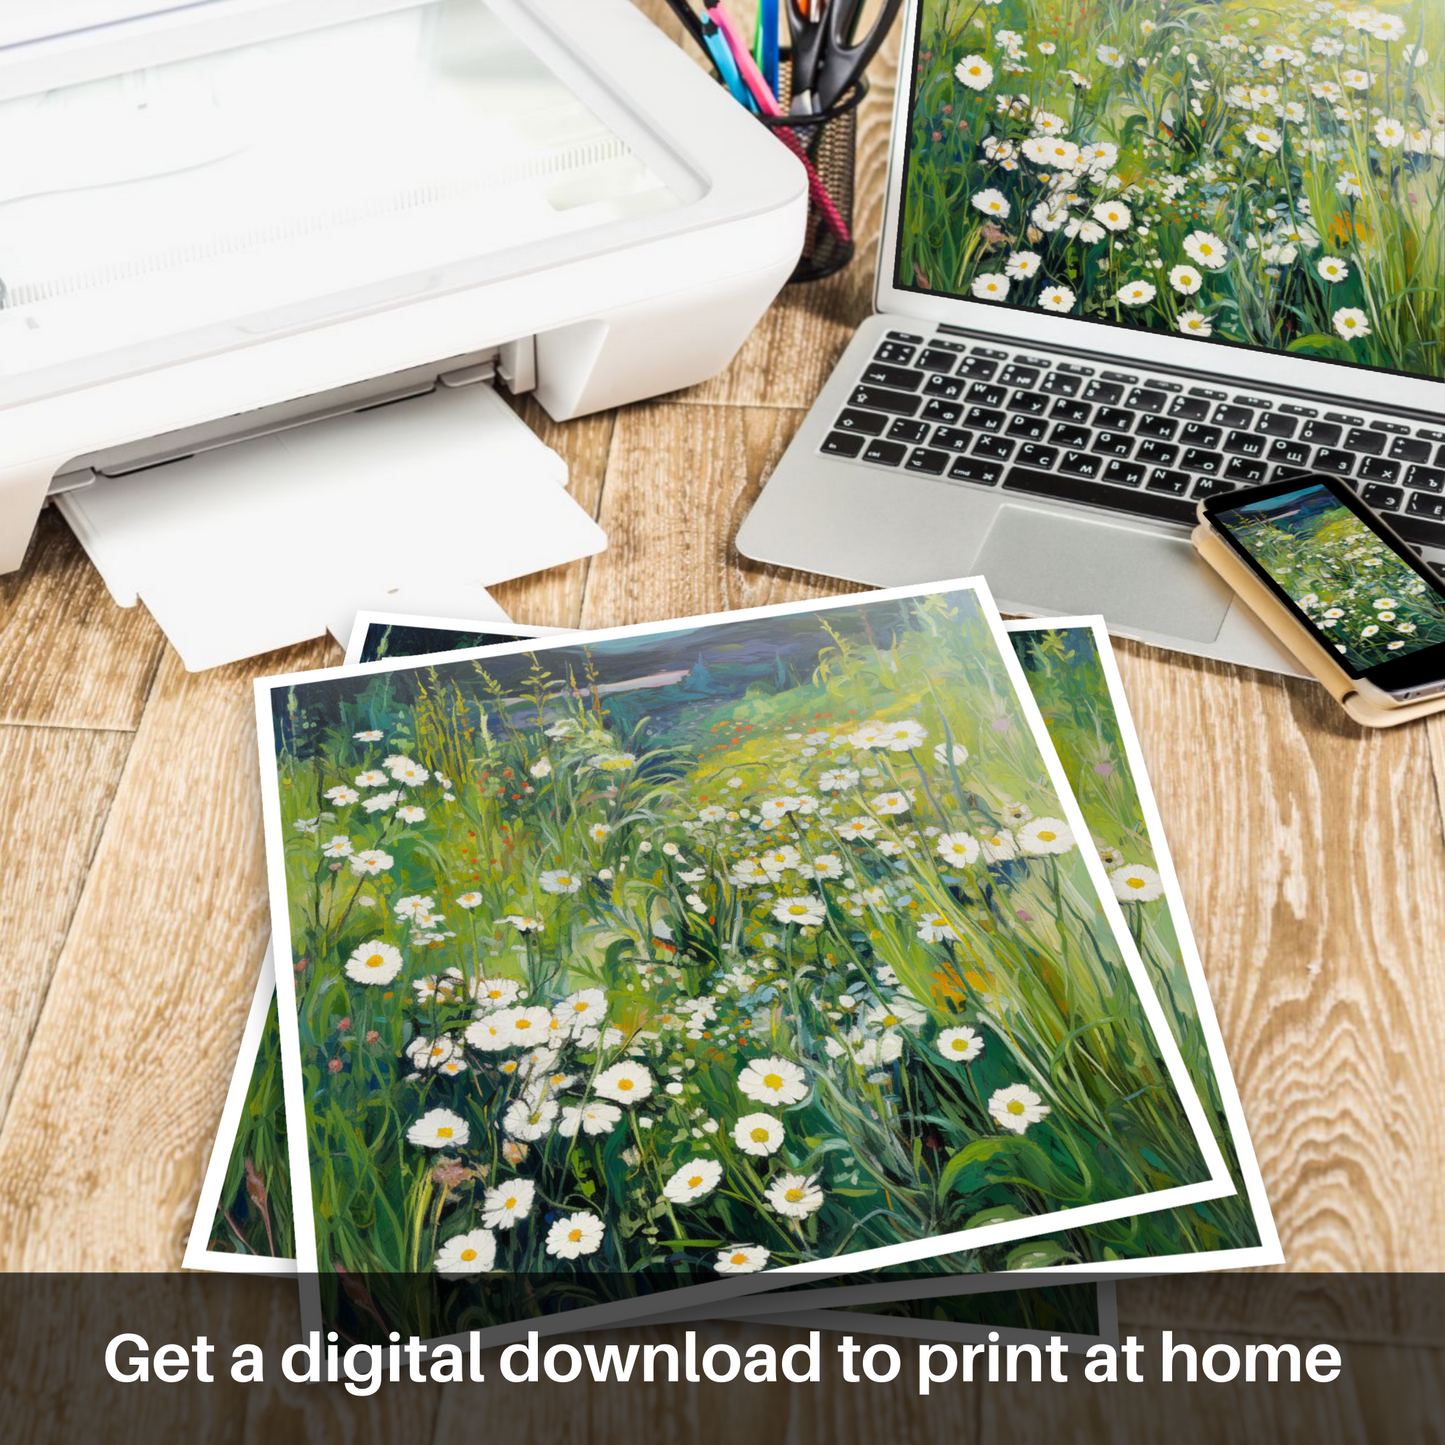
<point x="1351" y="585"/>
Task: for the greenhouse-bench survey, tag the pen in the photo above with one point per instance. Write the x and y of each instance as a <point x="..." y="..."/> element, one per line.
<point x="765" y="42"/>
<point x="688" y="17"/>
<point x="724" y="57"/>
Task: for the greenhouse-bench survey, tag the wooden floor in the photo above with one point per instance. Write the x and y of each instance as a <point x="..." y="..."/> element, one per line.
<point x="133" y="904"/>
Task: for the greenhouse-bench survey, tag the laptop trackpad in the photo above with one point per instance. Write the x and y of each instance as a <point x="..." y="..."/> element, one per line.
<point x="1042" y="559"/>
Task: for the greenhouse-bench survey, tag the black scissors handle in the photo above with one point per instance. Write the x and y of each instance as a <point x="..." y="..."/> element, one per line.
<point x="809" y="37"/>
<point x="844" y="58"/>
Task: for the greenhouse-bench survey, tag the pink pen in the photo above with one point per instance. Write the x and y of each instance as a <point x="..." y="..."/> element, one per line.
<point x="768" y="105"/>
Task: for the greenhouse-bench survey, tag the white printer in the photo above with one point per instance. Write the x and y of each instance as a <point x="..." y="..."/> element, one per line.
<point x="233" y="231"/>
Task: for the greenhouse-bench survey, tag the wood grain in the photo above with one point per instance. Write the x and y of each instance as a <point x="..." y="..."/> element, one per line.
<point x="56" y="786"/>
<point x="129" y="1060"/>
<point x="97" y="660"/>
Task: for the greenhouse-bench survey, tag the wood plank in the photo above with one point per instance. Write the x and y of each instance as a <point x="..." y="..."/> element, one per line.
<point x="96" y="661"/>
<point x="56" y="786"/>
<point x="1311" y="856"/>
<point x="129" y="1060"/>
<point x="554" y="598"/>
<point x="679" y="482"/>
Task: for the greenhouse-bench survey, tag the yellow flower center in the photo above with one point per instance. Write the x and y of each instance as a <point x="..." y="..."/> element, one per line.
<point x="624" y="1084"/>
<point x="444" y="1132"/>
<point x="796" y="909"/>
<point x="469" y="1255"/>
<point x="510" y="1203"/>
<point x="1046" y="837"/>
<point x="1134" y="882"/>
<point x="575" y="1235"/>
<point x="375" y="961"/>
<point x="739" y="1258"/>
<point x="793" y="1195"/>
<point x="959" y="1046"/>
<point x="1015" y="1106"/>
<point x="524" y="1023"/>
<point x="694" y="1181"/>
<point x="759" y="1136"/>
<point x="773" y="1081"/>
<point x="579" y="1008"/>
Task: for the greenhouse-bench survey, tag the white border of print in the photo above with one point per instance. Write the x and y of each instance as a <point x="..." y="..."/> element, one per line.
<point x="1216" y="1185"/>
<point x="365" y="621"/>
<point x="197" y="1256"/>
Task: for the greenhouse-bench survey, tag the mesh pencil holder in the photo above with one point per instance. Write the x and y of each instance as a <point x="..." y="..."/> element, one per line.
<point x="827" y="144"/>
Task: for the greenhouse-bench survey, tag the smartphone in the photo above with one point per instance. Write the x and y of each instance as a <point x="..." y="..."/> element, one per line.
<point x="1337" y="566"/>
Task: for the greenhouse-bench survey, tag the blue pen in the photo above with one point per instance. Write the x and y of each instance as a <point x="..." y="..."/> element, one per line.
<point x="768" y="50"/>
<point x="727" y="67"/>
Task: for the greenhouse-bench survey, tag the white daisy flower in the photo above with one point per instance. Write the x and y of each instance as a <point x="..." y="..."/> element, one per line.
<point x="439" y="1129"/>
<point x="1016" y="1107"/>
<point x="373" y="963"/>
<point x="974" y="72"/>
<point x="861" y="827"/>
<point x="825" y="865"/>
<point x="806" y="911"/>
<point x="369" y="735"/>
<point x="696" y="1178"/>
<point x="1351" y="323"/>
<point x="474" y="1252"/>
<point x="411" y="814"/>
<point x="943" y="754"/>
<point x="430" y="1053"/>
<point x="1056" y="298"/>
<point x="414" y="905"/>
<point x="559" y="880"/>
<point x="380" y="802"/>
<point x="712" y="813"/>
<point x="991" y="203"/>
<point x="795" y="1196"/>
<point x="1195" y="323"/>
<point x="990" y="286"/>
<point x="1046" y="835"/>
<point x="896" y="1013"/>
<point x="997" y="847"/>
<point x="960" y="1044"/>
<point x="935" y="928"/>
<point x="584" y="1009"/>
<point x="749" y="873"/>
<point x="741" y="1259"/>
<point x="1051" y="151"/>
<point x="758" y="1135"/>
<point x="574" y="1235"/>
<point x="775" y="1081"/>
<point x="338" y="847"/>
<point x="1113" y="215"/>
<point x="960" y="849"/>
<point x="404" y="770"/>
<point x="1137" y="293"/>
<point x="522" y="923"/>
<point x="1355" y="79"/>
<point x="370" y="861"/>
<point x="1134" y="883"/>
<point x="528" y="1120"/>
<point x="1206" y="249"/>
<point x="627" y="1082"/>
<point x="892" y="803"/>
<point x="902" y="737"/>
<point x="341" y="795"/>
<point x="369" y="779"/>
<point x="523" y="1027"/>
<point x="1185" y="280"/>
<point x="1349" y="185"/>
<point x="1110" y="56"/>
<point x="777" y="861"/>
<point x="838" y="778"/>
<point x="508" y="1203"/>
<point x="1079" y="229"/>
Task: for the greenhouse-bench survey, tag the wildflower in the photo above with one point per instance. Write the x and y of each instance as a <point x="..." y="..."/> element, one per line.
<point x="413" y="775"/>
<point x="341" y="795"/>
<point x="935" y="928"/>
<point x="1109" y="56"/>
<point x="1137" y="293"/>
<point x="594" y="1118"/>
<point x="522" y="923"/>
<point x="559" y="880"/>
<point x="1351" y="323"/>
<point x="541" y="768"/>
<point x="574" y="1235"/>
<point x="582" y="1009"/>
<point x="959" y="1044"/>
<point x="471" y="1253"/>
<point x="974" y="72"/>
<point x="369" y="735"/>
<point x="439" y="1129"/>
<point x="775" y="1081"/>
<point x="997" y="847"/>
<point x="960" y="849"/>
<point x="1332" y="269"/>
<point x="741" y="1259"/>
<point x="1349" y="186"/>
<point x="892" y="803"/>
<point x="1265" y="138"/>
<point x="338" y="847"/>
<point x="758" y="1135"/>
<point x="1205" y="249"/>
<point x="1113" y="215"/>
<point x="527" y="1120"/>
<point x="430" y="1053"/>
<point x="991" y="203"/>
<point x="370" y="779"/>
<point x="626" y="1082"/>
<point x="1056" y="298"/>
<point x="1016" y="1107"/>
<point x="692" y="1181"/>
<point x="508" y="1203"/>
<point x="795" y="1196"/>
<point x="373" y="963"/>
<point x="1195" y="323"/>
<point x="943" y="754"/>
<point x="1046" y="835"/>
<point x="990" y="286"/>
<point x="380" y="802"/>
<point x="806" y="911"/>
<point x="896" y="1013"/>
<point x="1135" y="883"/>
<point x="838" y="778"/>
<point x="1185" y="280"/>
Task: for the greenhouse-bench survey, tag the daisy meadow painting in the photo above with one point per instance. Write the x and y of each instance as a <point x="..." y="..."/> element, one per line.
<point x="1269" y="175"/>
<point x="627" y="962"/>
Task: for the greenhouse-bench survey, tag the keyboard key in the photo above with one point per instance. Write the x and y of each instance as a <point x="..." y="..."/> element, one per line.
<point x="1425" y="479"/>
<point x="1112" y="444"/>
<point x="975" y="469"/>
<point x="1076" y="369"/>
<point x="1156" y="454"/>
<point x="1124" y="474"/>
<point x="1060" y="383"/>
<point x="886" y="454"/>
<point x="953" y="438"/>
<point x="1042" y="457"/>
<point x="1209" y="393"/>
<point x="1245" y="469"/>
<point x="998" y="449"/>
<point x="1381" y="497"/>
<point x="895" y="353"/>
<point x="1100" y="494"/>
<point x="905" y="336"/>
<point x="1196" y="459"/>
<point x="1327" y="459"/>
<point x="956" y="347"/>
<point x="1236" y="416"/>
<point x="978" y="368"/>
<point x="878" y="398"/>
<point x="1157" y="426"/>
<point x="1189" y="408"/>
<point x="1145" y="398"/>
<point x="1425" y="504"/>
<point x="982" y="419"/>
<point x="1429" y="434"/>
<point x="1113" y="418"/>
<point x="1377" y="469"/>
<point x="924" y="459"/>
<point x="1396" y="428"/>
<point x="1127" y="377"/>
<point x="1410" y="449"/>
<point x="843" y="444"/>
<point x="1106" y="393"/>
<point x="904" y="429"/>
<point x="1031" y="428"/>
<point x="1016" y="375"/>
<point x="1245" y="444"/>
<point x="876" y="373"/>
<point x="935" y="360"/>
<point x="1344" y="418"/>
<point x="1070" y="436"/>
<point x="1033" y="403"/>
<point x="984" y="351"/>
<point x="1195" y="435"/>
<point x="1420" y="532"/>
<point x="1440" y="457"/>
<point x="1370" y="443"/>
<point x="945" y="411"/>
<point x="1289" y="453"/>
<point x="867" y="422"/>
<point x="986" y="395"/>
<point x="1321" y="433"/>
<point x="1075" y="411"/>
<point x="1210" y="487"/>
<point x="948" y="387"/>
<point x="1273" y="424"/>
<point x="1081" y="464"/>
<point x="1291" y="409"/>
<point x="1161" y="479"/>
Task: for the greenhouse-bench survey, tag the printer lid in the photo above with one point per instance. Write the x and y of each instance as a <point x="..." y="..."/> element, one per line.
<point x="183" y="178"/>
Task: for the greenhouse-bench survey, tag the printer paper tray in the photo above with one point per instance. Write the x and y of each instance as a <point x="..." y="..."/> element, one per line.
<point x="417" y="506"/>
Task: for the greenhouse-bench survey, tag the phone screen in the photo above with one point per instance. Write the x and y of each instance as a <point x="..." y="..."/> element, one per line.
<point x="1359" y="589"/>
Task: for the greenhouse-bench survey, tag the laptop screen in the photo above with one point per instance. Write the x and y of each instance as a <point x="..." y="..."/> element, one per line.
<point x="1261" y="175"/>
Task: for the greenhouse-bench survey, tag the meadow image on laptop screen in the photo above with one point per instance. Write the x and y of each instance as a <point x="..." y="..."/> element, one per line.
<point x="1270" y="175"/>
<point x="676" y="955"/>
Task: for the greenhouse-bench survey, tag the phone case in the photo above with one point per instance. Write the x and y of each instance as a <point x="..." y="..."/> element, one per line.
<point x="1297" y="638"/>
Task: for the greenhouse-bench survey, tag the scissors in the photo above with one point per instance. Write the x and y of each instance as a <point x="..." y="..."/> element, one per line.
<point x="828" y="56"/>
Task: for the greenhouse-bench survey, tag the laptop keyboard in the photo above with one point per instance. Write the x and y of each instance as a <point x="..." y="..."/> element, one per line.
<point x="1142" y="443"/>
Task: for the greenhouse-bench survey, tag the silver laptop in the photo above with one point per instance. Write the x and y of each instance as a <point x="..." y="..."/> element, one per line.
<point x="1098" y="302"/>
